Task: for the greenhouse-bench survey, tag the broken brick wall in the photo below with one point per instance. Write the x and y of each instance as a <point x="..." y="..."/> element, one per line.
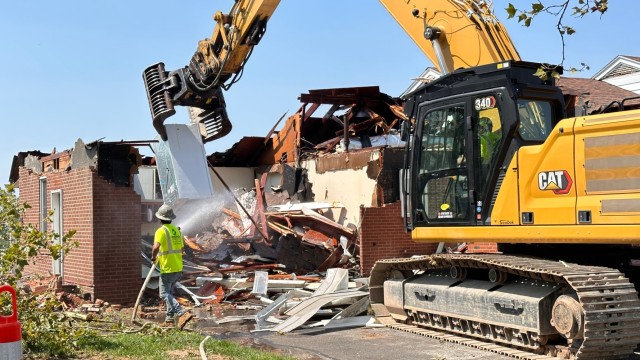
<point x="382" y="236"/>
<point x="364" y="177"/>
<point x="106" y="264"/>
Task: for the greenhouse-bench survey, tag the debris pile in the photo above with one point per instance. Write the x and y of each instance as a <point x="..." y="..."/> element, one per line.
<point x="271" y="302"/>
<point x="311" y="242"/>
<point x="73" y="304"/>
<point x="334" y="303"/>
<point x="329" y="121"/>
<point x="273" y="248"/>
<point x="257" y="301"/>
<point x="293" y="238"/>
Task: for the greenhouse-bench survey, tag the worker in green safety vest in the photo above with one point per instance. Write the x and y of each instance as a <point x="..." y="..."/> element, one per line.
<point x="167" y="250"/>
<point x="488" y="139"/>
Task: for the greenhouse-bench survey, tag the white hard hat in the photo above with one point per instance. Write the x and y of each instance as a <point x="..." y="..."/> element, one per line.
<point x="165" y="213"/>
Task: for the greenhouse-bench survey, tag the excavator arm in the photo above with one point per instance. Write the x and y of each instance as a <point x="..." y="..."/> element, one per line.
<point x="453" y="34"/>
<point x="215" y="66"/>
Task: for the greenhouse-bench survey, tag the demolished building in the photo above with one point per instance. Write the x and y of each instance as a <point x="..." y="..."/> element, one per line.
<point x="323" y="191"/>
<point x="343" y="147"/>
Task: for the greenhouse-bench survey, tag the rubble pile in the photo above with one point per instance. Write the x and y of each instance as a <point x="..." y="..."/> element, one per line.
<point x="287" y="262"/>
<point x="73" y="304"/>
<point x="261" y="301"/>
<point x="274" y="249"/>
<point x="267" y="301"/>
<point x="293" y="238"/>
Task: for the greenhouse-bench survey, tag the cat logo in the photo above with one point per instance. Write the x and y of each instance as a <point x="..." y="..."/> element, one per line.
<point x="557" y="181"/>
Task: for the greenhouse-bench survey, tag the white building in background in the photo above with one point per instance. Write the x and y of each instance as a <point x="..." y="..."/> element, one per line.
<point x="623" y="71"/>
<point x="428" y="75"/>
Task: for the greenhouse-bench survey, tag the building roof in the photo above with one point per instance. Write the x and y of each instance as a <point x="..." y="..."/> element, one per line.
<point x="19" y="160"/>
<point x="621" y="65"/>
<point x="599" y="94"/>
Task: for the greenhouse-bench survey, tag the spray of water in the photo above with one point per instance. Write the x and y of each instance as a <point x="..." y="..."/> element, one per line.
<point x="196" y="216"/>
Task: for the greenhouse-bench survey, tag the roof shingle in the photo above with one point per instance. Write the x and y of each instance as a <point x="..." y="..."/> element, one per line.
<point x="599" y="94"/>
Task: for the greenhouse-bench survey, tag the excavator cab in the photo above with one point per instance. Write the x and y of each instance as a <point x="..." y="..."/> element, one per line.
<point x="468" y="125"/>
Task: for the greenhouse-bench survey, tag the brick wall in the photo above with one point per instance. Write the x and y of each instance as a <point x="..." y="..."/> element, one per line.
<point x="106" y="264"/>
<point x="480" y="247"/>
<point x="77" y="214"/>
<point x="382" y="236"/>
<point x="28" y="185"/>
<point x="116" y="242"/>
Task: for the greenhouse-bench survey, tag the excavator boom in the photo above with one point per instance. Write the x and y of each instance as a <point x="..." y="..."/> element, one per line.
<point x="454" y="34"/>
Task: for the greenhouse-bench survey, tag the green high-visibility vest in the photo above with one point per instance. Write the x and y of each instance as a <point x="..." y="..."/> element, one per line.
<point x="170" y="252"/>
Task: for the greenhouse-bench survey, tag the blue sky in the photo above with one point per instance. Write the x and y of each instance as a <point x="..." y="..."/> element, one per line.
<point x="72" y="69"/>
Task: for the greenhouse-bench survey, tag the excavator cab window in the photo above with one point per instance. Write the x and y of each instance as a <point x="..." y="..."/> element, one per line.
<point x="488" y="137"/>
<point x="536" y="119"/>
<point x="443" y="174"/>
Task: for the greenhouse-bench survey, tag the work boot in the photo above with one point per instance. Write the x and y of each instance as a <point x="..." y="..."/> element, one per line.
<point x="168" y="322"/>
<point x="184" y="319"/>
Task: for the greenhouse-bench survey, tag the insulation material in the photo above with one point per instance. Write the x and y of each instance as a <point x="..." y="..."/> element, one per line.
<point x="390" y="140"/>
<point x="182" y="165"/>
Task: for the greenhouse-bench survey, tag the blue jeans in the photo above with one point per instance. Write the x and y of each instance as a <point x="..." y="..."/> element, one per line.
<point x="167" y="284"/>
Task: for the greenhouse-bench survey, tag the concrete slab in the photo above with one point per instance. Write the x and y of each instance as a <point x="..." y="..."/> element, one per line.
<point x="371" y="344"/>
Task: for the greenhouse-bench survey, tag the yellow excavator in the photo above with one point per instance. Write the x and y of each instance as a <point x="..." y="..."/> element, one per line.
<point x="491" y="157"/>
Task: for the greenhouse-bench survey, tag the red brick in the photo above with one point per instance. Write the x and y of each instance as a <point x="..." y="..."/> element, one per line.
<point x="382" y="236"/>
<point x="107" y="222"/>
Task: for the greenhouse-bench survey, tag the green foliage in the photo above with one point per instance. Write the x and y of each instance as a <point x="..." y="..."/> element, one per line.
<point x="582" y="67"/>
<point x="582" y="8"/>
<point x="558" y="9"/>
<point x="546" y="71"/>
<point x="44" y="331"/>
<point x="168" y="344"/>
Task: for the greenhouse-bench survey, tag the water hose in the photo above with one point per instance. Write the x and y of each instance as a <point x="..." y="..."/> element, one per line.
<point x="203" y="354"/>
<point x="144" y="285"/>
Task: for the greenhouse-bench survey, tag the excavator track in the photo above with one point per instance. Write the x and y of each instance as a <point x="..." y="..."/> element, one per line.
<point x="609" y="304"/>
